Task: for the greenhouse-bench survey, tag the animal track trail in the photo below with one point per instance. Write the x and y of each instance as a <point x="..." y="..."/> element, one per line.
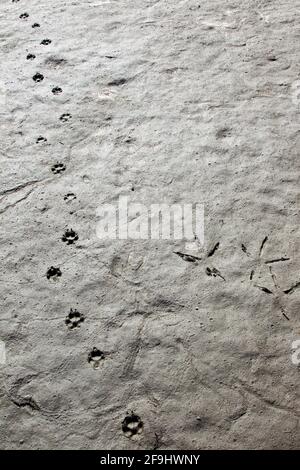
<point x="70" y="237"/>
<point x="95" y="358"/>
<point x="74" y="319"/>
<point x="30" y="57"/>
<point x="132" y="425"/>
<point x="58" y="168"/>
<point x="36" y="25"/>
<point x="24" y="16"/>
<point x="53" y="273"/>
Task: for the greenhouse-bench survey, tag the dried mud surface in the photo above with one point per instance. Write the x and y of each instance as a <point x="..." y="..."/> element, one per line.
<point x="162" y="101"/>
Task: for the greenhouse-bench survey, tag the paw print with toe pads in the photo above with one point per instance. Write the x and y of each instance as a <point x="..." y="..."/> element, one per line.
<point x="38" y="77"/>
<point x="69" y="197"/>
<point x="132" y="425"/>
<point x="74" y="319"/>
<point x="65" y="117"/>
<point x="56" y="90"/>
<point x="95" y="357"/>
<point x="58" y="168"/>
<point x="70" y="237"/>
<point x="53" y="273"/>
<point x="45" y="42"/>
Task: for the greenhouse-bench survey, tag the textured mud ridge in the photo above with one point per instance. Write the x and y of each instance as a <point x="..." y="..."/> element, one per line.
<point x="121" y="344"/>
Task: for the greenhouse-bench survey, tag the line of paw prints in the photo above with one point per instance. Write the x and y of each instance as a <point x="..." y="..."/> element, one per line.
<point x="39" y="77"/>
<point x="58" y="168"/>
<point x="74" y="318"/>
<point x="132" y="424"/>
